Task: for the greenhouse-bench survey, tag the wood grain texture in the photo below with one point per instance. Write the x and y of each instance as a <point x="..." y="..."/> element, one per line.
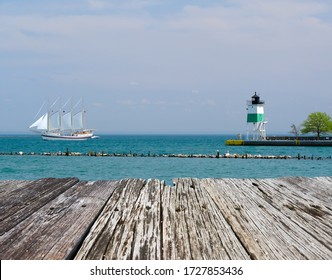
<point x="267" y="225"/>
<point x="26" y="198"/>
<point x="194" y="227"/>
<point x="128" y="227"/>
<point x="280" y="218"/>
<point x="56" y="229"/>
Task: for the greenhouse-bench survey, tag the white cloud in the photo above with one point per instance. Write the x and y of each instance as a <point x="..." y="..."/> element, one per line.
<point x="145" y="56"/>
<point x="97" y="4"/>
<point x="145" y="102"/>
<point x="209" y="103"/>
<point x="249" y="16"/>
<point x="53" y="33"/>
<point x="141" y="102"/>
<point x="126" y="102"/>
<point x="134" y="83"/>
<point x="98" y="104"/>
<point x="253" y="23"/>
<point x="121" y="4"/>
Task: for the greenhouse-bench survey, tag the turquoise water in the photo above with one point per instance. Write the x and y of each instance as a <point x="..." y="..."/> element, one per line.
<point x="164" y="168"/>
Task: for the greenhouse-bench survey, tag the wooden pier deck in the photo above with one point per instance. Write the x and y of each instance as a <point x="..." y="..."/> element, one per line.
<point x="284" y="218"/>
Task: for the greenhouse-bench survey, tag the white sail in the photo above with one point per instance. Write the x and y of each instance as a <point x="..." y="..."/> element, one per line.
<point x="66" y="123"/>
<point x="54" y="121"/>
<point x="78" y="121"/>
<point x="40" y="125"/>
<point x="62" y="123"/>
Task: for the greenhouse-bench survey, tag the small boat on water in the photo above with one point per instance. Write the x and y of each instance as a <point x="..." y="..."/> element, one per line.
<point x="60" y="123"/>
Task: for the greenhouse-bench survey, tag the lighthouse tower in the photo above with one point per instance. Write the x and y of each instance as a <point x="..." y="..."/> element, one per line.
<point x="255" y="119"/>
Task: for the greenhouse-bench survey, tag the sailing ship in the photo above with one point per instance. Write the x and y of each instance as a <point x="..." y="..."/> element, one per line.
<point x="59" y="123"/>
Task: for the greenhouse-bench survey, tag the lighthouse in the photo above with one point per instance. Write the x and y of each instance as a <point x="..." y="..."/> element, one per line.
<point x="255" y="119"/>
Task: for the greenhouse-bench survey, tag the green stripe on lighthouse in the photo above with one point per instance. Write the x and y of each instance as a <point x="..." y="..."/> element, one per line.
<point x="255" y="118"/>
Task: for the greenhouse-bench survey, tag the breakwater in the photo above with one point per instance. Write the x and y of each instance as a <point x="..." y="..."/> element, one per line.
<point x="155" y="155"/>
<point x="279" y="142"/>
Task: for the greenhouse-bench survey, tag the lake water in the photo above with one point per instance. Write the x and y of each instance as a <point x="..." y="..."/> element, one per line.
<point x="164" y="168"/>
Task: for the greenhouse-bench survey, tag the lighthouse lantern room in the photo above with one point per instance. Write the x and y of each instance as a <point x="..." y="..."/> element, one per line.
<point x="255" y="119"/>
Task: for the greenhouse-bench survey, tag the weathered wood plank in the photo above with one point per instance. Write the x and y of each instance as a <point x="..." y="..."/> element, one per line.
<point x="265" y="231"/>
<point x="128" y="228"/>
<point x="193" y="226"/>
<point x="319" y="187"/>
<point x="305" y="206"/>
<point x="22" y="201"/>
<point x="56" y="230"/>
<point x="7" y="186"/>
<point x="283" y="218"/>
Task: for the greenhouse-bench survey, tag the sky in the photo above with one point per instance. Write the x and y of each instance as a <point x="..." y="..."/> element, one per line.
<point x="153" y="66"/>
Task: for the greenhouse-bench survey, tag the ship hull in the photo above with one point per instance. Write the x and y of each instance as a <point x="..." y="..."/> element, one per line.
<point x="78" y="137"/>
